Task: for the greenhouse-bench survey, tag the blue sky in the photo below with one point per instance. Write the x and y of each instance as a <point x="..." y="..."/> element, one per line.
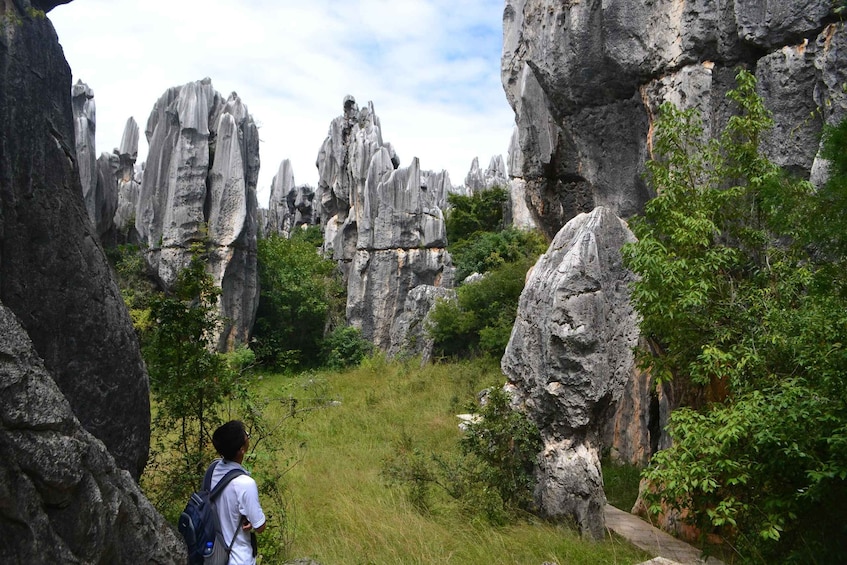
<point x="431" y="67"/>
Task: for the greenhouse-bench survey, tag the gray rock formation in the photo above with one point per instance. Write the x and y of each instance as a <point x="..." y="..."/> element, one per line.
<point x="478" y="180"/>
<point x="382" y="223"/>
<point x="128" y="181"/>
<point x="569" y="359"/>
<point x="62" y="497"/>
<point x="53" y="273"/>
<point x="199" y="183"/>
<point x="409" y="336"/>
<point x="97" y="174"/>
<point x="585" y="81"/>
<point x="85" y="126"/>
<point x="289" y="206"/>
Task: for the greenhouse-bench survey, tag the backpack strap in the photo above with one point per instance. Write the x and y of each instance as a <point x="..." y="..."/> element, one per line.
<point x="225" y="480"/>
<point x="215" y="492"/>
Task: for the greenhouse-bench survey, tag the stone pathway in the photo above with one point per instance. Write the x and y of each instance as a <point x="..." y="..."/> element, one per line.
<point x="667" y="549"/>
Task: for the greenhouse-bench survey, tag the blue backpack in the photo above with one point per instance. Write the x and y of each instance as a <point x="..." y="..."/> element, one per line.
<point x="199" y="523"/>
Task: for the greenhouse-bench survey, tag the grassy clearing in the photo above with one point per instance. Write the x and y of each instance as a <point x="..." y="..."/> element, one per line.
<point x="342" y="509"/>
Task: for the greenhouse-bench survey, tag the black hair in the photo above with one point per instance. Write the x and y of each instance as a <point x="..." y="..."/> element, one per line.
<point x="229" y="438"/>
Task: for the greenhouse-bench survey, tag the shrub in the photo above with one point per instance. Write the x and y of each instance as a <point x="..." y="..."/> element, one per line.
<point x="485" y="251"/>
<point x="480" y="320"/>
<point x="300" y="295"/>
<point x="740" y="290"/>
<point x="482" y="212"/>
<point x="345" y="347"/>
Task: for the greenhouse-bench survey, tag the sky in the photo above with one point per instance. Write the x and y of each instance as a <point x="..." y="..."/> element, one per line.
<point x="431" y="68"/>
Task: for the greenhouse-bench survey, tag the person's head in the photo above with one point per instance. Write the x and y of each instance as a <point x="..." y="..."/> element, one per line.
<point x="229" y="439"/>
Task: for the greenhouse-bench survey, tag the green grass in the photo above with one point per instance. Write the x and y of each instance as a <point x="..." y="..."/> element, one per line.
<point x="342" y="510"/>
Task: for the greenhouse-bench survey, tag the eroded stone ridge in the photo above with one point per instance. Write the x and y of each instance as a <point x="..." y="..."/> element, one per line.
<point x="569" y="358"/>
<point x="289" y="206"/>
<point x="199" y="184"/>
<point x="586" y="79"/>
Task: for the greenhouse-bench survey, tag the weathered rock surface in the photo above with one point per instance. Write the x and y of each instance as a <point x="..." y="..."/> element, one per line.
<point x="409" y="337"/>
<point x="53" y="273"/>
<point x="586" y="79"/>
<point x="128" y="181"/>
<point x="569" y="359"/>
<point x="383" y="223"/>
<point x="289" y="206"/>
<point x="85" y="126"/>
<point x="62" y="497"/>
<point x="199" y="183"/>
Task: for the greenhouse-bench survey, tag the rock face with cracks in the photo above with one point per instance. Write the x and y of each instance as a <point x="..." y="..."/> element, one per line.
<point x="570" y="357"/>
<point x="199" y="184"/>
<point x="586" y="79"/>
<point x="62" y="497"/>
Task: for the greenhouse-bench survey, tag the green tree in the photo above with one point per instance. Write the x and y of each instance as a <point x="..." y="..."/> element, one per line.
<point x="735" y="293"/>
<point x="301" y="297"/>
<point x="480" y="320"/>
<point x="482" y="212"/>
<point x="188" y="379"/>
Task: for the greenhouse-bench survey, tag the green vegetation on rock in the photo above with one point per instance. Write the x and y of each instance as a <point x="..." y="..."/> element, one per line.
<point x="743" y="294"/>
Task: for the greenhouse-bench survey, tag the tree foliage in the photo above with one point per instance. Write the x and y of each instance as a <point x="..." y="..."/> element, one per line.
<point x="481" y="212"/>
<point x="188" y="379"/>
<point x="301" y="295"/>
<point x="480" y="320"/>
<point x="741" y="292"/>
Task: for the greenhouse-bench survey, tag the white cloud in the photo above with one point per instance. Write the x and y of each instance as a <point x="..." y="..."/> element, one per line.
<point x="431" y="67"/>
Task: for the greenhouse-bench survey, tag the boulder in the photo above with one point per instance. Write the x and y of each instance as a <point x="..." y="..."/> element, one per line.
<point x="586" y="79"/>
<point x="53" y="273"/>
<point x="63" y="499"/>
<point x="199" y="184"/>
<point x="569" y="358"/>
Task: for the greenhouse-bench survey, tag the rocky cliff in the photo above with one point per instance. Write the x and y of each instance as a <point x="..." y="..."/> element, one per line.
<point x="586" y="78"/>
<point x="74" y="398"/>
<point x="199" y="184"/>
<point x="53" y="274"/>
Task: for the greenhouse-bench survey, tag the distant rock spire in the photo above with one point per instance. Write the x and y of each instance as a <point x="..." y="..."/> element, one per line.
<point x="199" y="183"/>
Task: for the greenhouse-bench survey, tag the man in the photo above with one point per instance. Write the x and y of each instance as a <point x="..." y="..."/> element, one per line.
<point x="238" y="505"/>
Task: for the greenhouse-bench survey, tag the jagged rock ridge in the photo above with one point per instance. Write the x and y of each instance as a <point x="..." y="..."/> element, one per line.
<point x="290" y="206"/>
<point x="586" y="80"/>
<point x="383" y="223"/>
<point x="199" y="184"/>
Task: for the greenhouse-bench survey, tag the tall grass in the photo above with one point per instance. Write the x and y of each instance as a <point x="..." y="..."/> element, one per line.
<point x="344" y="511"/>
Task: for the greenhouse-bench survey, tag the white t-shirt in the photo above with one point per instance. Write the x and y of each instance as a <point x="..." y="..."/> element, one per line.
<point x="239" y="498"/>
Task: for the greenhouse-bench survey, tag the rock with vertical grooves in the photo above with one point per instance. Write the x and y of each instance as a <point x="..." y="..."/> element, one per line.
<point x="128" y="184"/>
<point x="199" y="184"/>
<point x="382" y="223"/>
<point x="569" y="358"/>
